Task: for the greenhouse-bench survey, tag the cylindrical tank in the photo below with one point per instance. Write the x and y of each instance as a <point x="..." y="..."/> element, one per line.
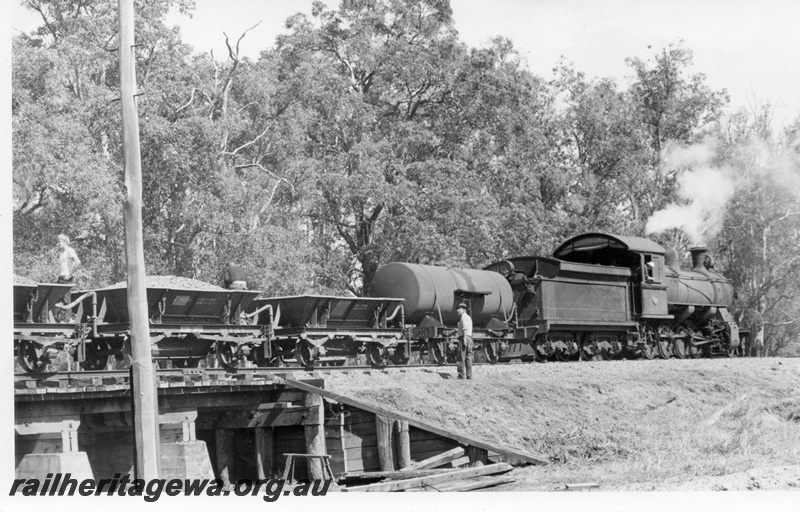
<point x="438" y="290"/>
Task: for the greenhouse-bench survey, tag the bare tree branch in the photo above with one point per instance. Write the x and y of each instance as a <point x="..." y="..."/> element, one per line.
<point x="262" y="168"/>
<point x="246" y="144"/>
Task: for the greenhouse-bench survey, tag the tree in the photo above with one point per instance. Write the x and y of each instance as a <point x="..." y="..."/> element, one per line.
<point x="761" y="239"/>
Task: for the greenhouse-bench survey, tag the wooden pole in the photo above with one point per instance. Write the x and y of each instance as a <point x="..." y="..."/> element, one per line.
<point x="146" y="406"/>
<point x="315" y="436"/>
<point x="265" y="452"/>
<point x="383" y="429"/>
<point x="403" y="444"/>
<point x="224" y="442"/>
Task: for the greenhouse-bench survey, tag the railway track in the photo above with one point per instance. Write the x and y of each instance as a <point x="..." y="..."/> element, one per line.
<point x="210" y="374"/>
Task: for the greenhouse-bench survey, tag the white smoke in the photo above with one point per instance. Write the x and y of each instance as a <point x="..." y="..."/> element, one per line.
<point x="704" y="190"/>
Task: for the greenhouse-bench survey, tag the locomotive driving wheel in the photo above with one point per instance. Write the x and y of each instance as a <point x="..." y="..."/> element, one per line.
<point x="694" y="351"/>
<point x="664" y="342"/>
<point x="436" y="352"/>
<point x="96" y="355"/>
<point x="681" y="341"/>
<point x="226" y="356"/>
<point x="376" y="356"/>
<point x="32" y="357"/>
<point x="649" y="348"/>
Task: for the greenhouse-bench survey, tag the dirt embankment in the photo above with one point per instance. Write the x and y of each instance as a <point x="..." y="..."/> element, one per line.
<point x="713" y="424"/>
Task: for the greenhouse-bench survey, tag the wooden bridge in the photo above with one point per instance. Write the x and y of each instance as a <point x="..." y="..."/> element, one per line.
<point x="225" y="425"/>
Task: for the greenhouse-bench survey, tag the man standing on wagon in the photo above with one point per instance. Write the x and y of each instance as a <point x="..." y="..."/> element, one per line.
<point x="465" y="343"/>
<point x="68" y="261"/>
<point x="234" y="277"/>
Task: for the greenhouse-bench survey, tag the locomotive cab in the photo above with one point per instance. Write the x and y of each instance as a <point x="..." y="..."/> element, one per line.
<point x="643" y="257"/>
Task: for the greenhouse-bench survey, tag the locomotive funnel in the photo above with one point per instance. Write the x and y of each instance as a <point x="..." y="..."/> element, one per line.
<point x="699" y="255"/>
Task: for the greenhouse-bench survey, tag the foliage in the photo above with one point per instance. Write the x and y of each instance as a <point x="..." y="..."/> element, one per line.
<point x="761" y="237"/>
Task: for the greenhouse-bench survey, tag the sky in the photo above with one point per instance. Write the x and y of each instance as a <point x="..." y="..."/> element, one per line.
<point x="751" y="48"/>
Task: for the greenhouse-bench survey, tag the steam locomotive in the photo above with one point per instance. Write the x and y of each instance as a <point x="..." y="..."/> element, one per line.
<point x="599" y="296"/>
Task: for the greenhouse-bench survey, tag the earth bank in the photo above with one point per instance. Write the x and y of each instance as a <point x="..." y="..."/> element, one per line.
<point x="707" y="424"/>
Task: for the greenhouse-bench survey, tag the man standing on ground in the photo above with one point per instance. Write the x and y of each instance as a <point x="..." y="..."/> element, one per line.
<point x="465" y="343"/>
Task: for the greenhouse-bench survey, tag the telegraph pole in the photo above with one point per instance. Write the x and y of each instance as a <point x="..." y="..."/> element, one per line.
<point x="143" y="387"/>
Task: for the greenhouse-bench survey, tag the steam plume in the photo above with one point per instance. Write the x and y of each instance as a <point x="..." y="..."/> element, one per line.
<point x="704" y="189"/>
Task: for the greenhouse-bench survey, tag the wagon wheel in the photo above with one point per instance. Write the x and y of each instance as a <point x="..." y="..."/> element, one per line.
<point x="664" y="343"/>
<point x="400" y="356"/>
<point x="96" y="355"/>
<point x="226" y="356"/>
<point x="680" y="343"/>
<point x="649" y="347"/>
<point x="303" y="356"/>
<point x="375" y="355"/>
<point x="436" y="352"/>
<point x="490" y="351"/>
<point x="32" y="357"/>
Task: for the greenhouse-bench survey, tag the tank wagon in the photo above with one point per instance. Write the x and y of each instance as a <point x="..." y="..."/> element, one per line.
<point x="431" y="295"/>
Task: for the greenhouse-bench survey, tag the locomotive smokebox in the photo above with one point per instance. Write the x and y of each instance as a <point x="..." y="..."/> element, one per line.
<point x="699" y="254"/>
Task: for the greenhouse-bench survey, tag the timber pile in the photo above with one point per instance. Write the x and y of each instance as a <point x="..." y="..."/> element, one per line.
<point x="447" y="480"/>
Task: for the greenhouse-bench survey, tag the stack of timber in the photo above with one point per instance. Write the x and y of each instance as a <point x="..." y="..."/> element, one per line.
<point x="441" y="480"/>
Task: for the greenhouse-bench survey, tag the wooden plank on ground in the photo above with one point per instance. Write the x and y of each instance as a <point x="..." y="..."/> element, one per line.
<point x="448" y="476"/>
<point x="509" y="454"/>
<point x="437" y="460"/>
<point x="375" y="476"/>
<point x="472" y="484"/>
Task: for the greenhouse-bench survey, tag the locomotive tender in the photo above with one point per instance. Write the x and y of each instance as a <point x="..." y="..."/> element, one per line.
<point x="599" y="296"/>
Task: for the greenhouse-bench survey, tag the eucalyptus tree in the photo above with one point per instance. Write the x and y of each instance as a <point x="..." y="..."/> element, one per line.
<point x="65" y="135"/>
